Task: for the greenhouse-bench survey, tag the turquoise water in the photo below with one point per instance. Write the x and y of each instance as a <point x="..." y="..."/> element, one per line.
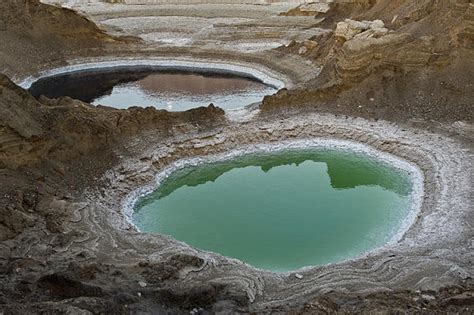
<point x="281" y="211"/>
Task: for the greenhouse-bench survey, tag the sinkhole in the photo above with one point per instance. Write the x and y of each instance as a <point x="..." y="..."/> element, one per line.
<point x="284" y="210"/>
<point x="173" y="89"/>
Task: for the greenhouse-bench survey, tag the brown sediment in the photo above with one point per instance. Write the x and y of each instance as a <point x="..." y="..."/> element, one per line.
<point x="195" y="84"/>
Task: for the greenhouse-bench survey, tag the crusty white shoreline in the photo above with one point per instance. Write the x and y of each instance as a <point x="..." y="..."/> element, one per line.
<point x="432" y="251"/>
<point x="415" y="174"/>
<point x="261" y="73"/>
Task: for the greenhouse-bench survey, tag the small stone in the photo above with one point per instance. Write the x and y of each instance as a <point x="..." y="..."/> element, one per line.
<point x="139" y="294"/>
<point x="377" y="24"/>
<point x="142" y="284"/>
<point x="303" y="50"/>
<point x="298" y="276"/>
<point x="428" y="297"/>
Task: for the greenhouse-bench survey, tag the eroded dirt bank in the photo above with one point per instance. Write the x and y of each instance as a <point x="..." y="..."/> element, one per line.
<point x="67" y="168"/>
<point x="405" y="61"/>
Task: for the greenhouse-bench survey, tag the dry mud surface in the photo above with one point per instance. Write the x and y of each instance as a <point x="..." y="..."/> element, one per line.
<point x="69" y="171"/>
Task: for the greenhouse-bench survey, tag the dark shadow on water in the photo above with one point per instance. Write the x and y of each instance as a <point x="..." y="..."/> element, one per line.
<point x="346" y="170"/>
<point x="88" y="86"/>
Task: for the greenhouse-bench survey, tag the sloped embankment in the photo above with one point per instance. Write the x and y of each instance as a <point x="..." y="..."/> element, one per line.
<point x="34" y="34"/>
<point x="51" y="134"/>
<point x="418" y="64"/>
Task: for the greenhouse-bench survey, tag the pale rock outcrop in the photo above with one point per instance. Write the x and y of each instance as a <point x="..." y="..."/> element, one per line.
<point x="315" y="7"/>
<point x="349" y="29"/>
<point x="360" y="55"/>
<point x="366" y="43"/>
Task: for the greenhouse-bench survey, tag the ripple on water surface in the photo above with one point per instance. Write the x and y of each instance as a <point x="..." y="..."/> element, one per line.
<point x="163" y="89"/>
<point x="282" y="211"/>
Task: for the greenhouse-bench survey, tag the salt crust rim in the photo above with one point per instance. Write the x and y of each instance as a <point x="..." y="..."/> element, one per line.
<point x="262" y="74"/>
<point x="416" y="175"/>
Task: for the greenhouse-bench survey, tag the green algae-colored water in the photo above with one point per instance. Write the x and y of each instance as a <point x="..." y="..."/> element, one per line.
<point x="281" y="211"/>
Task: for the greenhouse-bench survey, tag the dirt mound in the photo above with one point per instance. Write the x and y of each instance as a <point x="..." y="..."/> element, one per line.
<point x="41" y="33"/>
<point x="48" y="136"/>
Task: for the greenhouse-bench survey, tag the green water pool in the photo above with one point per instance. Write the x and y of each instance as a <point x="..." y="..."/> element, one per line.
<point x="281" y="211"/>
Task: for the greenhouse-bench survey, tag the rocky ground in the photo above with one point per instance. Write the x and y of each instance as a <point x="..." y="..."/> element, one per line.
<point x="395" y="75"/>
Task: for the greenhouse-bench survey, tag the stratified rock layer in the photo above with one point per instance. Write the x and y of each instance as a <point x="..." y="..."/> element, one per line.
<point x="55" y="133"/>
<point x="414" y="63"/>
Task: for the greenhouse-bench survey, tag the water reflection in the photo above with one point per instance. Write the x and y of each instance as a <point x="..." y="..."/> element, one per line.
<point x="194" y="84"/>
<point x="171" y="90"/>
<point x="346" y="170"/>
<point x="332" y="206"/>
